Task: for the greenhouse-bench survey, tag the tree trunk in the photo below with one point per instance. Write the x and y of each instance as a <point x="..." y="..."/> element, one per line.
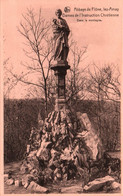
<point x="45" y="92"/>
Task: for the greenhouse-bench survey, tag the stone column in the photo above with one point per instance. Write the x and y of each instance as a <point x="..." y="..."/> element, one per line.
<point x="60" y="70"/>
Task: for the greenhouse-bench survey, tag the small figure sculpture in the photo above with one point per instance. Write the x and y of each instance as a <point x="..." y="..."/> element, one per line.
<point x="61" y="32"/>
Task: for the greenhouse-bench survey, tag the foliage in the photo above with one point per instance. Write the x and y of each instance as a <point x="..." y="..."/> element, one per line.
<point x="19" y="117"/>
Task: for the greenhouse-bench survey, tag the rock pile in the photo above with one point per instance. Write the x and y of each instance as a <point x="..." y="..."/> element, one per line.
<point x="62" y="149"/>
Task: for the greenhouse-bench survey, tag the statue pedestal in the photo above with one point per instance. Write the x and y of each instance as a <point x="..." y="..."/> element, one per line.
<point x="60" y="70"/>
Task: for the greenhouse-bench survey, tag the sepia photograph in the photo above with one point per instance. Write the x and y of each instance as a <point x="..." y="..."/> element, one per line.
<point x="61" y="97"/>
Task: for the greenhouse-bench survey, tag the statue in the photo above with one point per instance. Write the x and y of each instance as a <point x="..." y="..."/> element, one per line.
<point x="61" y="32"/>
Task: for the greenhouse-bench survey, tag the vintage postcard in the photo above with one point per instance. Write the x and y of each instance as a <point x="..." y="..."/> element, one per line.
<point x="61" y="97"/>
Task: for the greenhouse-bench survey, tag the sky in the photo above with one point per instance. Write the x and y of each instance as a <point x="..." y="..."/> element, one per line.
<point x="103" y="38"/>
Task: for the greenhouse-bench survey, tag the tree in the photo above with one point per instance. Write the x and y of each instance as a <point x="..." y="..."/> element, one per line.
<point x="104" y="83"/>
<point x="38" y="48"/>
<point x="104" y="86"/>
<point x="9" y="81"/>
<point x="76" y="79"/>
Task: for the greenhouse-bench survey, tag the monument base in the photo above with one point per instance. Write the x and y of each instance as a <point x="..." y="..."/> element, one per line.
<point x="60" y="104"/>
<point x="62" y="149"/>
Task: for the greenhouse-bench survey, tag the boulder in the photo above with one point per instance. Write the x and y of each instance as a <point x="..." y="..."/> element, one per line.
<point x="10" y="181"/>
<point x="24" y="168"/>
<point x="90" y="137"/>
<point x="26" y="185"/>
<point x="18" y="183"/>
<point x="37" y="188"/>
<point x="115" y="185"/>
<point x="96" y="184"/>
<point x="26" y="180"/>
<point x="65" y="177"/>
<point x="72" y="189"/>
<point x="6" y="177"/>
